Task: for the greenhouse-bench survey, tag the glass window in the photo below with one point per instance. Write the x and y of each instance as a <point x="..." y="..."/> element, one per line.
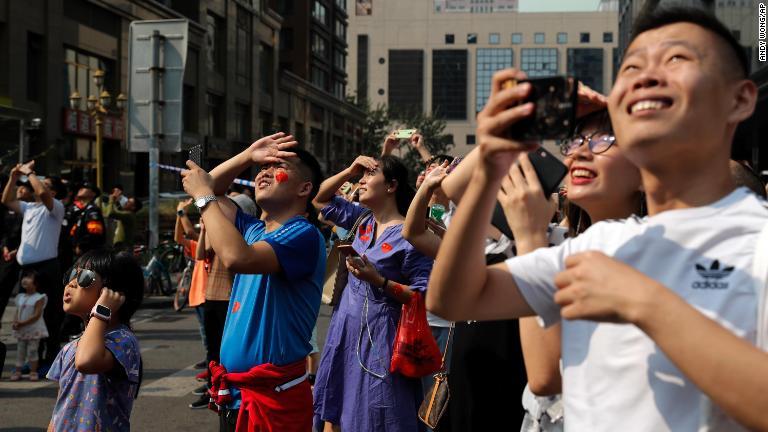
<point x="215" y="115"/>
<point x="587" y="64"/>
<point x="539" y="62"/>
<point x="340" y="59"/>
<point x="494" y="38"/>
<point x="607" y="37"/>
<point x="517" y="38"/>
<point x="449" y="84"/>
<point x="189" y="108"/>
<point x="471" y="38"/>
<point x="406" y="81"/>
<point x="562" y="38"/>
<point x="319" y="78"/>
<point x="449" y="39"/>
<point x="470" y="140"/>
<point x="243" y="50"/>
<point x="584" y="37"/>
<point x="215" y="38"/>
<point x="243" y="122"/>
<point x="266" y="68"/>
<point x="342" y="4"/>
<point x="338" y="89"/>
<point x="489" y="60"/>
<point x="362" y="67"/>
<point x="319" y="45"/>
<point x="341" y="29"/>
<point x="319" y="12"/>
<point x="538" y="38"/>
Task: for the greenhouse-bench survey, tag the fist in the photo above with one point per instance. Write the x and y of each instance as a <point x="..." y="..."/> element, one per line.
<point x="111" y="299"/>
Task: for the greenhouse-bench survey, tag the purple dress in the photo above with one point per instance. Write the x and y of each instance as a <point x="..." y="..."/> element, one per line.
<point x="354" y="388"/>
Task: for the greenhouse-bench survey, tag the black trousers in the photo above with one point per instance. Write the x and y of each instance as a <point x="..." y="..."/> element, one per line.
<point x="227" y="420"/>
<point x="9" y="277"/>
<point x="53" y="314"/>
<point x="215" y="316"/>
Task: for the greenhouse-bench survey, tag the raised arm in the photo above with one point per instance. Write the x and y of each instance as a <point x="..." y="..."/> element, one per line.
<point x="415" y="226"/>
<point x="268" y="149"/>
<point x="727" y="368"/>
<point x="201" y="248"/>
<point x="41" y="192"/>
<point x="92" y="355"/>
<point x="417" y="143"/>
<point x="226" y="240"/>
<point x="329" y="187"/>
<point x="528" y="212"/>
<point x="9" y="193"/>
<point x="184" y="228"/>
<point x="390" y="144"/>
<point x="461" y="286"/>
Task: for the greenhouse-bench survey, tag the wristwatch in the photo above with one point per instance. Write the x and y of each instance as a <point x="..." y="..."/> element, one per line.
<point x="204" y="200"/>
<point x="101" y="312"/>
<point x="180" y="212"/>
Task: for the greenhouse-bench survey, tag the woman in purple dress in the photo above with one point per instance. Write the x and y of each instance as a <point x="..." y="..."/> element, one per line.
<point x="354" y="390"/>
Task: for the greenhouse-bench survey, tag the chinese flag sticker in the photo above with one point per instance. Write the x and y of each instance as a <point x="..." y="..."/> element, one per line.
<point x="386" y="247"/>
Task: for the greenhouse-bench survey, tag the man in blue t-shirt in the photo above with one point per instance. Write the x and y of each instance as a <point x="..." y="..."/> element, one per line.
<point x="279" y="261"/>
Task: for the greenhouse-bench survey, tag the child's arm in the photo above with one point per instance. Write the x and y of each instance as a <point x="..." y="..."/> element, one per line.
<point x="92" y="356"/>
<point x="35" y="316"/>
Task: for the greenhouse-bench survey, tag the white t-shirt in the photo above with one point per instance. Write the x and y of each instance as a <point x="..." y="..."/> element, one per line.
<point x="615" y="377"/>
<point x="39" y="232"/>
<point x="25" y="304"/>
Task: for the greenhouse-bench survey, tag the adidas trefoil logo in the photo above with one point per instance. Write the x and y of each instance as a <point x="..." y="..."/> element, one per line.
<point x="712" y="276"/>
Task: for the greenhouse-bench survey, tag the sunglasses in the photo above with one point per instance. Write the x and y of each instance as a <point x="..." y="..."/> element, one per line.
<point x="85" y="278"/>
<point x="598" y="142"/>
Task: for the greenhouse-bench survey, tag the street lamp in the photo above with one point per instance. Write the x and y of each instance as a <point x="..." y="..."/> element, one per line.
<point x="98" y="107"/>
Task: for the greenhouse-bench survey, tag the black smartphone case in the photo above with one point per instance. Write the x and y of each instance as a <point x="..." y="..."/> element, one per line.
<point x="554" y="114"/>
<point x="550" y="172"/>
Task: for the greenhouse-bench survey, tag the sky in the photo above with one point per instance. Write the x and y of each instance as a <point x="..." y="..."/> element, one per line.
<point x="557" y="5"/>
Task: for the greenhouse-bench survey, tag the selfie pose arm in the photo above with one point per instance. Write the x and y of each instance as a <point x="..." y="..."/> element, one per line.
<point x="461" y="286"/>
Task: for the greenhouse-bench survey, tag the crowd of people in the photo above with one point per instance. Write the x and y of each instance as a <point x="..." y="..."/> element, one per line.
<point x="633" y="299"/>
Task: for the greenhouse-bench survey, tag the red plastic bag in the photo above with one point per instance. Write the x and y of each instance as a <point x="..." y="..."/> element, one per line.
<point x="415" y="353"/>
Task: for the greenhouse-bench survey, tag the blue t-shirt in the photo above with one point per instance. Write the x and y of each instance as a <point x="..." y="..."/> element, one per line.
<point x="271" y="316"/>
<point x="97" y="401"/>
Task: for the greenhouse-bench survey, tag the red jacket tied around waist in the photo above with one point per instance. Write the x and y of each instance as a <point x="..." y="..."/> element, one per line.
<point x="273" y="398"/>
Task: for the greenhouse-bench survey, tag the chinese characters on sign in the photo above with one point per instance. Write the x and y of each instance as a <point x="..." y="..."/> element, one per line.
<point x="81" y="123"/>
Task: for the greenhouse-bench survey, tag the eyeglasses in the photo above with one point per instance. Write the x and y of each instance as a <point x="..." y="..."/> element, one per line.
<point x="598" y="142"/>
<point x="85" y="277"/>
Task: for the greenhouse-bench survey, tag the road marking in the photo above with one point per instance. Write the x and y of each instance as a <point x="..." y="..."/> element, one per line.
<point x="178" y="384"/>
<point x="25" y="385"/>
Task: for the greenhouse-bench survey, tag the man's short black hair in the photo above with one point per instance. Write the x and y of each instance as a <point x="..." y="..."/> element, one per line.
<point x="311" y="168"/>
<point x="137" y="204"/>
<point x="661" y="17"/>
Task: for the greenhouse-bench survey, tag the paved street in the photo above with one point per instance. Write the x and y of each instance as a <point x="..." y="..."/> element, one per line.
<point x="170" y="345"/>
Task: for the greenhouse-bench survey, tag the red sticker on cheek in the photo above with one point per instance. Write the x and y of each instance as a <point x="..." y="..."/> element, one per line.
<point x="386" y="247"/>
<point x="281" y="176"/>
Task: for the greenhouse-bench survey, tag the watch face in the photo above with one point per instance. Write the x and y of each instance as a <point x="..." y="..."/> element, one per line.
<point x="103" y="310"/>
<point x="200" y="203"/>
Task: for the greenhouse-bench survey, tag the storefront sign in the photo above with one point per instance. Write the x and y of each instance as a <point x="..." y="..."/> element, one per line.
<point x="81" y="123"/>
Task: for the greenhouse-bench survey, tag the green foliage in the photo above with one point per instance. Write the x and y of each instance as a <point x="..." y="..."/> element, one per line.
<point x="380" y="121"/>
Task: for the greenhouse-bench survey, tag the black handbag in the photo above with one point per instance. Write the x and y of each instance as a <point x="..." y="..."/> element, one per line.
<point x="436" y="401"/>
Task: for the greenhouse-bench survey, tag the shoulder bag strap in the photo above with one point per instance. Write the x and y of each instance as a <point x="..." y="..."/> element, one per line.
<point x="351" y="234"/>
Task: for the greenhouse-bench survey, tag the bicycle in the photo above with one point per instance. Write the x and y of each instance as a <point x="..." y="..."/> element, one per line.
<point x="157" y="278"/>
<point x="185" y="281"/>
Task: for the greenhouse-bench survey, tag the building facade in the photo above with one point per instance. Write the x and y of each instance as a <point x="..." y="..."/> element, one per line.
<point x="409" y="55"/>
<point x="234" y="89"/>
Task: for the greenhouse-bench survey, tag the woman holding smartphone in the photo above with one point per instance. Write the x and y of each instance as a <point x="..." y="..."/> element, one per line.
<point x="354" y="390"/>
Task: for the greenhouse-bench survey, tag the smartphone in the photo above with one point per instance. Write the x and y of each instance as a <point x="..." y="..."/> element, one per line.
<point x="196" y="154"/>
<point x="550" y="172"/>
<point x="554" y="114"/>
<point x="347" y="249"/>
<point x="404" y="133"/>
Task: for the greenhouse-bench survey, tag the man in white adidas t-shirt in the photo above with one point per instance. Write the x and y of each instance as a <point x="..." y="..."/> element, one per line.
<point x="679" y="281"/>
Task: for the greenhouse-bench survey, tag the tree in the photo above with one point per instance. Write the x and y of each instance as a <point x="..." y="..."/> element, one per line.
<point x="380" y="121"/>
